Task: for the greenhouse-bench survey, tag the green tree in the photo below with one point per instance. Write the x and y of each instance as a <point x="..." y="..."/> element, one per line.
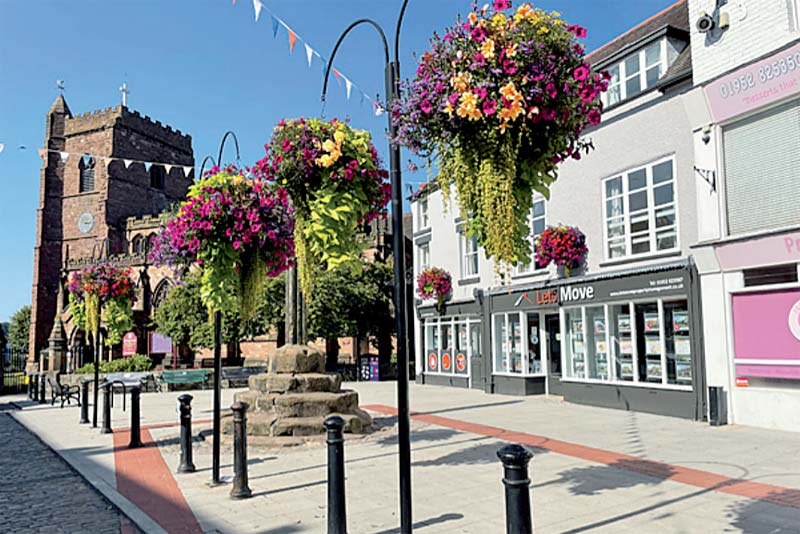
<point x="270" y="310"/>
<point x="183" y="317"/>
<point x="352" y="302"/>
<point x="19" y="330"/>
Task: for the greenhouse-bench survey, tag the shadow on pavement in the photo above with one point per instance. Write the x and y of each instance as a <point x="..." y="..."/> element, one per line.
<point x="428" y="434"/>
<point x="621" y="474"/>
<point x="779" y="515"/>
<point x="290" y="488"/>
<point x="444" y="518"/>
<point x="469" y="407"/>
<point x="475" y="455"/>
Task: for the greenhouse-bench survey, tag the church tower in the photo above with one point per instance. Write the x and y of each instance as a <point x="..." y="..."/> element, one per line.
<point x="100" y="169"/>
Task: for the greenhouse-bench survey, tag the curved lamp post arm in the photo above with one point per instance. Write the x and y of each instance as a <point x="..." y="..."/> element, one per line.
<point x="339" y="42"/>
<point x="397" y="33"/>
<point x="203" y="165"/>
<point x="222" y="146"/>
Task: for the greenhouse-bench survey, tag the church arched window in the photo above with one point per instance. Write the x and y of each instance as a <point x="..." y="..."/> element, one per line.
<point x="86" y="171"/>
<point x="158" y="176"/>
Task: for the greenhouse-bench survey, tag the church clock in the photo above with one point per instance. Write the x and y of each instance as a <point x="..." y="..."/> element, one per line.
<point x="85" y="223"/>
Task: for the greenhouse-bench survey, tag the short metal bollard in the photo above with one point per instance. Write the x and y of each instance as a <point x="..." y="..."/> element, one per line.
<point x="186" y="465"/>
<point x="136" y="425"/>
<point x="515" y="460"/>
<point x="240" y="489"/>
<point x="85" y="401"/>
<point x="30" y="387"/>
<point x="106" y="425"/>
<point x="42" y="389"/>
<point x="35" y="387"/>
<point x="337" y="515"/>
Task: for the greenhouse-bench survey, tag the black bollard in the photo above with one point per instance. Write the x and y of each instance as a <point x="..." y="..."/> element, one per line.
<point x="240" y="489"/>
<point x="30" y="387"/>
<point x="136" y="426"/>
<point x="85" y="401"/>
<point x="515" y="460"/>
<point x="337" y="516"/>
<point x="35" y="387"/>
<point x="186" y="465"/>
<point x="107" y="392"/>
<point x="42" y="389"/>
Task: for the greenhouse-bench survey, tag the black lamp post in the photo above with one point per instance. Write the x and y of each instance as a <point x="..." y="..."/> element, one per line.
<point x="215" y="451"/>
<point x="392" y="81"/>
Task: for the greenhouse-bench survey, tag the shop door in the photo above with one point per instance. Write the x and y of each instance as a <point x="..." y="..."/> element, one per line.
<point x="552" y="325"/>
<point x="476" y="364"/>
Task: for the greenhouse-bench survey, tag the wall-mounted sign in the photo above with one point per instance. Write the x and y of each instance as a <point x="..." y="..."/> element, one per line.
<point x="763" y="251"/>
<point x="461" y="362"/>
<point x="446" y="362"/>
<point x="129" y="343"/>
<point x="433" y="361"/>
<point x="756" y="85"/>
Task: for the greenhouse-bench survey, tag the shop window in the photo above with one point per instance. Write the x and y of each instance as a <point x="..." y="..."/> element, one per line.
<point x="597" y="359"/>
<point x="575" y="348"/>
<point x="86" y="167"/>
<point x="469" y="255"/>
<point x="509" y="349"/>
<point x="764" y="276"/>
<point x="622" y="341"/>
<point x="677" y="342"/>
<point x="534" y="335"/>
<point x="424" y="256"/>
<point x="635" y="73"/>
<point x="450" y="343"/>
<point x="424" y="217"/>
<point x="537" y="223"/>
<point x="648" y="324"/>
<point x="640" y="211"/>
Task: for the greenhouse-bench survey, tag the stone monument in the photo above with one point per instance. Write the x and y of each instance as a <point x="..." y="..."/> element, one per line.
<point x="295" y="396"/>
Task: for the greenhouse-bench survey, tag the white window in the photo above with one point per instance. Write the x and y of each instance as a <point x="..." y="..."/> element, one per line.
<point x="640" y="211"/>
<point x="794" y="14"/>
<point x="537" y="224"/>
<point x="423" y="256"/>
<point x="637" y="72"/>
<point x="424" y="218"/>
<point x="469" y="255"/>
<point x="450" y="343"/>
<point x="516" y="344"/>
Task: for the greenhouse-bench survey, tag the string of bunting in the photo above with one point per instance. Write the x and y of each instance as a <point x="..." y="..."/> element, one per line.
<point x="311" y="53"/>
<point x="109" y="159"/>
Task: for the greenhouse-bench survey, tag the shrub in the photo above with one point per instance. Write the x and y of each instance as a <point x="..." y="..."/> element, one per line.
<point x="134" y="364"/>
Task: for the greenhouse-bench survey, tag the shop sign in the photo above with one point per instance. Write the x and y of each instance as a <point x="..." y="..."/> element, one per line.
<point x="763" y="251"/>
<point x="446" y="361"/>
<point x="756" y="85"/>
<point x="461" y="362"/>
<point x="794" y="320"/>
<point x="432" y="361"/>
<point x="129" y="344"/>
<point x="742" y="382"/>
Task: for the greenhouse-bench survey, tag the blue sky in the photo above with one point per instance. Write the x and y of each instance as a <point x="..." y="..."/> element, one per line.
<point x="204" y="67"/>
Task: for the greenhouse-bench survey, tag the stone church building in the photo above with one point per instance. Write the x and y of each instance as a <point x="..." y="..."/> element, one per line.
<point x="100" y="197"/>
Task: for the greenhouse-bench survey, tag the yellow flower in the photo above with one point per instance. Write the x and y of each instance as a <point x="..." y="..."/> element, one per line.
<point x="511" y="51"/>
<point x="468" y="106"/>
<point x="498" y="21"/>
<point x="473" y="18"/>
<point x="503" y="126"/>
<point x="487" y="49"/>
<point x="509" y="91"/>
<point x="339" y="137"/>
<point x="543" y="30"/>
<point x="448" y="108"/>
<point x="460" y="81"/>
<point x="328" y="145"/>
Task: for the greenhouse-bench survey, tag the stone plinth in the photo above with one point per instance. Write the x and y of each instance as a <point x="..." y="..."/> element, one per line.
<point x="295" y="396"/>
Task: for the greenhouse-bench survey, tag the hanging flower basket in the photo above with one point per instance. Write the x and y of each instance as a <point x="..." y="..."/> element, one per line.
<point x="496" y="104"/>
<point x="238" y="229"/>
<point x="102" y="292"/>
<point x="564" y="246"/>
<point x="434" y="283"/>
<point x="333" y="176"/>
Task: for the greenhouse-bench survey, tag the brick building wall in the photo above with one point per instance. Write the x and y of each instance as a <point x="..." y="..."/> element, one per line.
<point x="756" y="28"/>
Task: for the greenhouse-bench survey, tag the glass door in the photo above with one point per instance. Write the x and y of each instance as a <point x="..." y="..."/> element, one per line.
<point x="552" y="327"/>
<point x="534" y="345"/>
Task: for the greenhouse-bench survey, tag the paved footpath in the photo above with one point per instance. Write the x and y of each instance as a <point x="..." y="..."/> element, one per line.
<point x="41" y="493"/>
<point x="594" y="470"/>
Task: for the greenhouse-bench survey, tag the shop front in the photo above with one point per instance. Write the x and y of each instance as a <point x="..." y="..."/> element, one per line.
<point x="451" y="345"/>
<point x="626" y="339"/>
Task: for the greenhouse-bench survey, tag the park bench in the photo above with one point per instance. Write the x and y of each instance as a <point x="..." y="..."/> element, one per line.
<point x="184" y="376"/>
<point x="62" y="392"/>
<point x="238" y="376"/>
<point x="131" y="379"/>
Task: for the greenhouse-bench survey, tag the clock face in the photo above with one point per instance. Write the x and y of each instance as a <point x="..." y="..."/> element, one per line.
<point x="85" y="223"/>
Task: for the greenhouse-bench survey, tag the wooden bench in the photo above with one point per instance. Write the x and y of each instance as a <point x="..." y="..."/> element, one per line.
<point x="237" y="377"/>
<point x="185" y="376"/>
<point x="63" y="392"/>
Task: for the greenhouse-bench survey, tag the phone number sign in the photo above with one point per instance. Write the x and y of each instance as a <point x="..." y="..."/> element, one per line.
<point x="756" y="85"/>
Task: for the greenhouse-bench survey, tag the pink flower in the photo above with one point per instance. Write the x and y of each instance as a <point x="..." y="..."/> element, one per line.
<point x="480" y="92"/>
<point x="581" y="73"/>
<point x="579" y="32"/>
<point x="509" y="67"/>
<point x="426" y="106"/>
<point x="478" y="60"/>
<point x="593" y="117"/>
<point x="551" y="90"/>
<point x="502" y="5"/>
<point x="478" y="34"/>
<point x="489" y="107"/>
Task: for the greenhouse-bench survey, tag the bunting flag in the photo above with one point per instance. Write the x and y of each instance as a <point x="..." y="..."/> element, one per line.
<point x="338" y="76"/>
<point x="167" y="167"/>
<point x="127" y="162"/>
<point x="2" y="147"/>
<point x="187" y="170"/>
<point x="349" y="86"/>
<point x="275" y="26"/>
<point x="64" y="155"/>
<point x="101" y="159"/>
<point x="257" y="8"/>
<point x="292" y="40"/>
<point x="309" y="53"/>
<point x="147" y="166"/>
<point x="42" y="153"/>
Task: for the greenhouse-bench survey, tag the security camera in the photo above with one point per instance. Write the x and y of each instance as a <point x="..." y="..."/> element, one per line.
<point x="705" y="22"/>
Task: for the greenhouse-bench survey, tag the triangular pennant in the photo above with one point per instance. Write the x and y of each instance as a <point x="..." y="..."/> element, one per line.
<point x="64" y="155"/>
<point x="338" y="76"/>
<point x="349" y="85"/>
<point x="167" y="168"/>
<point x="2" y="147"/>
<point x="292" y="40"/>
<point x="187" y="170"/>
<point x="257" y="7"/>
<point x="361" y="102"/>
<point x="324" y="66"/>
<point x="309" y="53"/>
<point x="42" y="153"/>
<point x="147" y="166"/>
<point x="127" y="162"/>
<point x="275" y="25"/>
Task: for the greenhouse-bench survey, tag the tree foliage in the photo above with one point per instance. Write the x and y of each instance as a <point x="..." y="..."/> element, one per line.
<point x="19" y="329"/>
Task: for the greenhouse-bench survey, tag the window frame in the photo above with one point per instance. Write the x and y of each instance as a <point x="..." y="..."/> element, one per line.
<point x="652" y="230"/>
<point x="522" y="316"/>
<point x="159" y="172"/>
<point x="531" y="268"/>
<point x="423" y="214"/>
<point x="463" y="240"/>
<point x="642" y="73"/>
<point x="421" y="266"/>
<point x="87" y="163"/>
<point x="453" y="322"/>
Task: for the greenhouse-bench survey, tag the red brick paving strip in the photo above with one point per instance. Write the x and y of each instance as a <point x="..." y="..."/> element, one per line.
<point x="779" y="495"/>
<point x="144" y="479"/>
